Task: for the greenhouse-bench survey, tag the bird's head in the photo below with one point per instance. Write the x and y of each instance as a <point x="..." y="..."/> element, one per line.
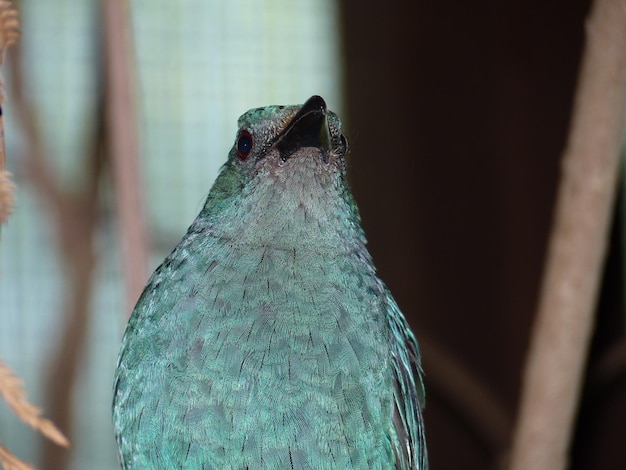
<point x="285" y="178"/>
<point x="279" y="136"/>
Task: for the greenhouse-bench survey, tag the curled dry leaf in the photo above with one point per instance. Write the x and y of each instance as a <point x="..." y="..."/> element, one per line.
<point x="12" y="390"/>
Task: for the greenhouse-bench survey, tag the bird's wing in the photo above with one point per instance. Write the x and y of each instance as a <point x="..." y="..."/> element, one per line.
<point x="410" y="446"/>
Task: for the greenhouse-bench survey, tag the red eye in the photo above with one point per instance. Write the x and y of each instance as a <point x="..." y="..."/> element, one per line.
<point x="244" y="144"/>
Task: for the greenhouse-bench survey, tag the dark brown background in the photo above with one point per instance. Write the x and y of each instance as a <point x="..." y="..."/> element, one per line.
<point x="457" y="114"/>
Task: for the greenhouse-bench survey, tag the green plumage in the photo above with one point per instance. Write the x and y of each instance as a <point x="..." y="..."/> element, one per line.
<point x="266" y="339"/>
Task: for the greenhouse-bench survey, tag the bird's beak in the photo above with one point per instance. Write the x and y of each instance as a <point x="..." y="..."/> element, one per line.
<point x="308" y="128"/>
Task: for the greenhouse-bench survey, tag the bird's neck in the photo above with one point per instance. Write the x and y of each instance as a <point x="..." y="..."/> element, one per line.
<point x="293" y="216"/>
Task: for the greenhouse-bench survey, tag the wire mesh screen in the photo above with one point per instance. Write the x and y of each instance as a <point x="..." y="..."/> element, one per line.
<point x="197" y="66"/>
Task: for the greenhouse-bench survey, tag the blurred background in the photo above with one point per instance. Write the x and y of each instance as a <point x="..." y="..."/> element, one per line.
<point x="456" y="113"/>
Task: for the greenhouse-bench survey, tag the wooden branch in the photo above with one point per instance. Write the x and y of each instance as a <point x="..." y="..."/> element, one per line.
<point x="577" y="247"/>
<point x="124" y="149"/>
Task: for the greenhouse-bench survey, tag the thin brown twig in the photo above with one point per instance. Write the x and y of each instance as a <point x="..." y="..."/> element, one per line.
<point x="577" y="247"/>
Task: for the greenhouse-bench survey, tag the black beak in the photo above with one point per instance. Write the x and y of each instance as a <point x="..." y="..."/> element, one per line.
<point x="308" y="128"/>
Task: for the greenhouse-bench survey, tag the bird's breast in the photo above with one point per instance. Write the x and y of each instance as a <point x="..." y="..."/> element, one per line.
<point x="276" y="352"/>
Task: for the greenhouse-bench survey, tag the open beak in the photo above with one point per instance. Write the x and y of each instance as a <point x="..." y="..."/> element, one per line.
<point x="308" y="128"/>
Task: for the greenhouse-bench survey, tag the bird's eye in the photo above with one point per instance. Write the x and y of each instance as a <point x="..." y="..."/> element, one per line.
<point x="244" y="144"/>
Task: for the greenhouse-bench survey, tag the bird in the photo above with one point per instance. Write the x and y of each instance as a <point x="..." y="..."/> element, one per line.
<point x="266" y="338"/>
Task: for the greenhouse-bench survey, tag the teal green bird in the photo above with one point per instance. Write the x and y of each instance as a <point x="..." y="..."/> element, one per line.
<point x="266" y="338"/>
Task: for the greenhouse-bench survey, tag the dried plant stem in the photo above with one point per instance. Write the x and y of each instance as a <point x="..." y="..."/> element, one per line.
<point x="124" y="148"/>
<point x="577" y="247"/>
<point x="6" y="193"/>
<point x="11" y="462"/>
<point x="12" y="390"/>
<point x="9" y="34"/>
